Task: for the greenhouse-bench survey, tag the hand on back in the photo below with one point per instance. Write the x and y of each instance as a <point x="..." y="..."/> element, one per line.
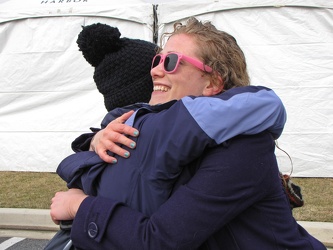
<point x="112" y="137"/>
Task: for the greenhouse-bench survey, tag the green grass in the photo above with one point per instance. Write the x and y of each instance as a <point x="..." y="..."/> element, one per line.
<point x="29" y="189"/>
<point x="318" y="199"/>
<point x="35" y="190"/>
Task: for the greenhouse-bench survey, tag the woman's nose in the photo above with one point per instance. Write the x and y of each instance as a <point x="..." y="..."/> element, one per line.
<point x="157" y="71"/>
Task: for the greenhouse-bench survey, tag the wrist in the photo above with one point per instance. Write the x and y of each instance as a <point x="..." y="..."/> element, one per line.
<point x="92" y="146"/>
<point x="76" y="205"/>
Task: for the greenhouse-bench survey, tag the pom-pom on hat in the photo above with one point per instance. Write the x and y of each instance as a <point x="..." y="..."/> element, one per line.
<point x="122" y="65"/>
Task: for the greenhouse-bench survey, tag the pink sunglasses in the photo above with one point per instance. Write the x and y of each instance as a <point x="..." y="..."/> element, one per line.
<point x="171" y="61"/>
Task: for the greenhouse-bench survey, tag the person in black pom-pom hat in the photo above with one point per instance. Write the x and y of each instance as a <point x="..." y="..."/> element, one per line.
<point x="122" y="75"/>
<point x="122" y="65"/>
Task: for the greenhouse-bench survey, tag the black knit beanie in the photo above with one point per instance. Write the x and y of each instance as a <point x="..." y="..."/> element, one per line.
<point x="122" y="65"/>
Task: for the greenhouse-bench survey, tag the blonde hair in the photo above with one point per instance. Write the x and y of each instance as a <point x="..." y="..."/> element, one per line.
<point x="217" y="49"/>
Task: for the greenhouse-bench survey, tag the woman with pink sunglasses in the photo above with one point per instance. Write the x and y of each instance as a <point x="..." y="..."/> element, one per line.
<point x="232" y="198"/>
<point x="145" y="185"/>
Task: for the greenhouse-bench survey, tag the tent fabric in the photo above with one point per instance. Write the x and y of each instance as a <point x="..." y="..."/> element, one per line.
<point x="48" y="97"/>
<point x="170" y="12"/>
<point x="128" y="10"/>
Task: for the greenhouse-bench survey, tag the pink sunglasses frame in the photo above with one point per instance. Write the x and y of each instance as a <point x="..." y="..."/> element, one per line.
<point x="191" y="60"/>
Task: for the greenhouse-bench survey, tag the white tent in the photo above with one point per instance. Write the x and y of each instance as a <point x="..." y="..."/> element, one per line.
<point x="45" y="82"/>
<point x="47" y="95"/>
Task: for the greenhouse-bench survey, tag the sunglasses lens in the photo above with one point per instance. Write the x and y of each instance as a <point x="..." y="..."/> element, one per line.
<point x="156" y="61"/>
<point x="170" y="62"/>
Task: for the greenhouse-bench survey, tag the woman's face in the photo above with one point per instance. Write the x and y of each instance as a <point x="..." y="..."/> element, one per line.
<point x="186" y="80"/>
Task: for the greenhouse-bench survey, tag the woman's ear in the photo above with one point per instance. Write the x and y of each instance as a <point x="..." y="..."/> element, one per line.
<point x="214" y="86"/>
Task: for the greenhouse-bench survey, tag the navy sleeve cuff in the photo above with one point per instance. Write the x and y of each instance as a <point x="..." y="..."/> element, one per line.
<point x="82" y="143"/>
<point x="91" y="221"/>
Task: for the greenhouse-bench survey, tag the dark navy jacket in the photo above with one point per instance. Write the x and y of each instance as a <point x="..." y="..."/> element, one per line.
<point x="171" y="136"/>
<point x="234" y="200"/>
<point x="170" y="139"/>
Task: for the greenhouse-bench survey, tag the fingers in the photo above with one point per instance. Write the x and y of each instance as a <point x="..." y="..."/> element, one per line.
<point x="64" y="205"/>
<point x="114" y="128"/>
<point x="54" y="208"/>
<point x="107" y="158"/>
<point x="124" y="129"/>
<point x="112" y="139"/>
<point x="55" y="221"/>
<point x="116" y="133"/>
<point x="124" y="117"/>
